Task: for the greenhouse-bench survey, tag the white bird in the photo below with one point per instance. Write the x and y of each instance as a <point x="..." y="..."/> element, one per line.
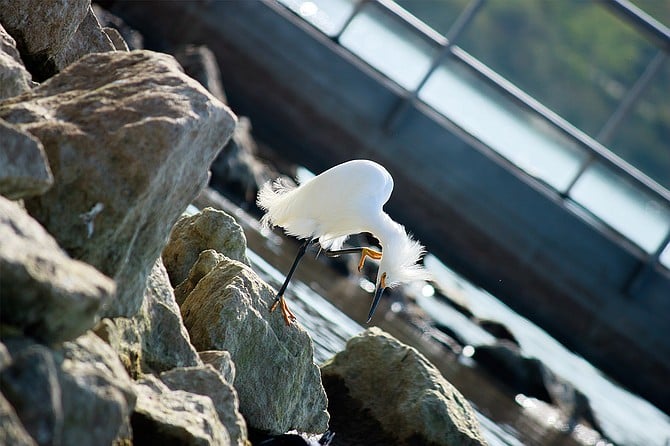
<point x="344" y="200"/>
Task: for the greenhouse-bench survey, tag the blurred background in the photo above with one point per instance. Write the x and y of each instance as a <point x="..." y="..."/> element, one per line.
<point x="529" y="142"/>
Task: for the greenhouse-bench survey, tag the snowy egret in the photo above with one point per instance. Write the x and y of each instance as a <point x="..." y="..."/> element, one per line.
<point x="344" y="200"/>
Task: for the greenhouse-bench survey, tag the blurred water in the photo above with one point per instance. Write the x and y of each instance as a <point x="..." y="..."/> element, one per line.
<point x="627" y="418"/>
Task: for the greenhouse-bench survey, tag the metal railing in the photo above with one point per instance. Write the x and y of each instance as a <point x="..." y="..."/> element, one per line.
<point x="595" y="150"/>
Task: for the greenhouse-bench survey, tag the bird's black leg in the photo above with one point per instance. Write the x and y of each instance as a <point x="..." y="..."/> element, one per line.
<point x="298" y="257"/>
<point x="280" y="294"/>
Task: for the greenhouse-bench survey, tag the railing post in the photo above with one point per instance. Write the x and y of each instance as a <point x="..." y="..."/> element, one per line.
<point x="353" y="14"/>
<point x="631" y="97"/>
<point x="452" y="36"/>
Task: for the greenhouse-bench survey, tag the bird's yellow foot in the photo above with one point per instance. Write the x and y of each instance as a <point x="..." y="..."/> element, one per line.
<point x="287" y="314"/>
<point x="367" y="252"/>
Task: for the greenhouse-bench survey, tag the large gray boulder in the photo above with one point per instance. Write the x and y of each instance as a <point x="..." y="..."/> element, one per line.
<point x="207" y="381"/>
<point x="45" y="293"/>
<point x="129" y="138"/>
<point x="278" y="384"/>
<point x="51" y="34"/>
<point x="171" y="417"/>
<point x="14" y="78"/>
<point x="377" y="376"/>
<point x="97" y="393"/>
<point x="24" y="169"/>
<point x="76" y="393"/>
<point x="155" y="339"/>
<point x="42" y="29"/>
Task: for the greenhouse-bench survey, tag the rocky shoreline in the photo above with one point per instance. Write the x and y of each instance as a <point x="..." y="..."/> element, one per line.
<point x="124" y="322"/>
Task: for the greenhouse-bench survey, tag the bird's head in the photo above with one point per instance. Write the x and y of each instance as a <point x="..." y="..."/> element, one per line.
<point x="399" y="264"/>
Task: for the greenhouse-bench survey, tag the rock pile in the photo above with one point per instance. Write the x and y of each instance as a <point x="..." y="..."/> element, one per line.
<point x="122" y="322"/>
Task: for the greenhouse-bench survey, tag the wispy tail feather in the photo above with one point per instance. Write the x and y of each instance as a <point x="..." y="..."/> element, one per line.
<point x="272" y="199"/>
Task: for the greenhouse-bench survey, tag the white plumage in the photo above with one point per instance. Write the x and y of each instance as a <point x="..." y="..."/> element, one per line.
<point x="344" y="200"/>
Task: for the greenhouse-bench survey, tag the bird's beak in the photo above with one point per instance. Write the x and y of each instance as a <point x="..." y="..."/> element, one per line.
<point x="378" y="295"/>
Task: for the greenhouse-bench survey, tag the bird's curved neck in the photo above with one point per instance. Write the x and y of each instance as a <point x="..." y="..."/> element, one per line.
<point x="386" y="230"/>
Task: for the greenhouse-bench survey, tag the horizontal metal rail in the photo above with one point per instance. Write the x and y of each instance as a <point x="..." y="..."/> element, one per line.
<point x="641" y="20"/>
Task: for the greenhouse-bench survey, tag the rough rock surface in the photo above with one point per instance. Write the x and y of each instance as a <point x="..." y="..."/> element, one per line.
<point x="171" y="417"/>
<point x="24" y="170"/>
<point x="278" y="384"/>
<point x="221" y="361"/>
<point x="77" y="393"/>
<point x="398" y="387"/>
<point x="102" y="121"/>
<point x="209" y="229"/>
<point x="155" y="339"/>
<point x="116" y="38"/>
<point x="14" y="78"/>
<point x="205" y="380"/>
<point x="30" y="384"/>
<point x="45" y="293"/>
<point x="88" y="38"/>
<point x="96" y="392"/>
<point x="205" y="262"/>
<point x="42" y="29"/>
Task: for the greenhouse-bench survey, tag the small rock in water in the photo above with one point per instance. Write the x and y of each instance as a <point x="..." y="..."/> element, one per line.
<point x="384" y="392"/>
